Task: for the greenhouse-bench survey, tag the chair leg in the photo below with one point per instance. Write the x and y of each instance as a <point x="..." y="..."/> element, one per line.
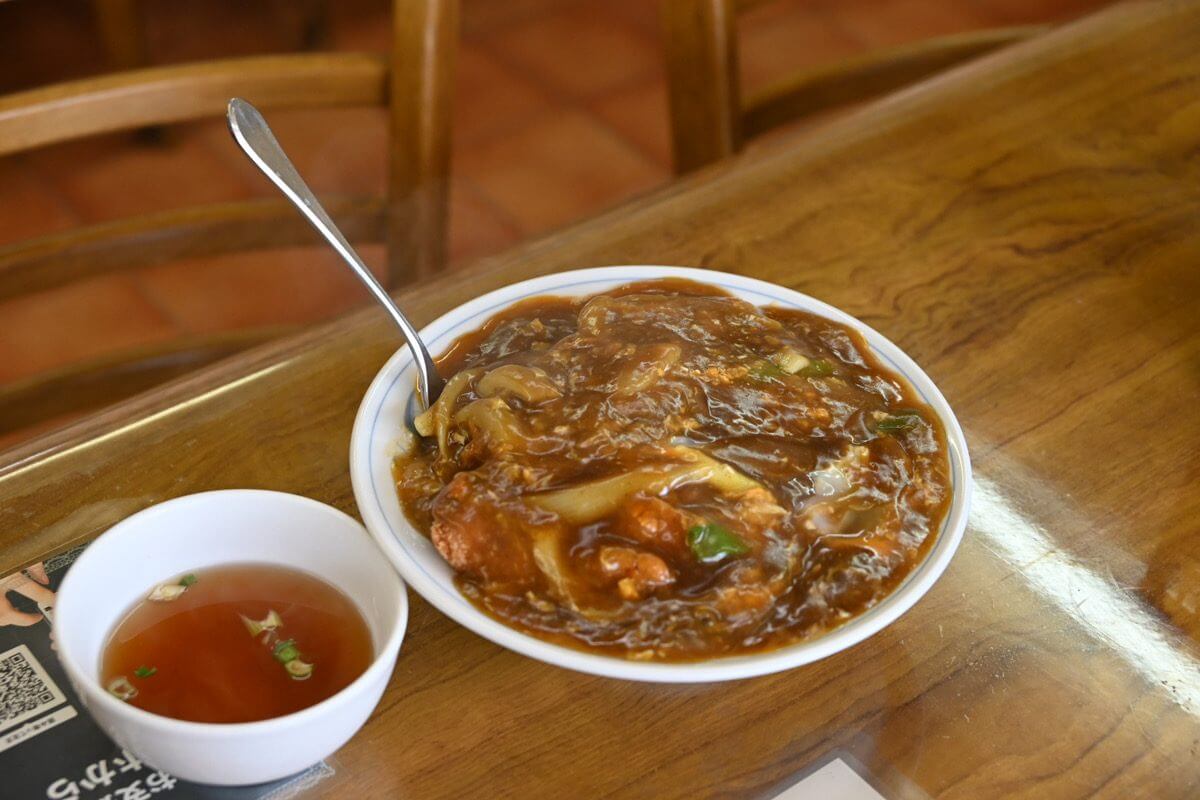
<point x="123" y="36"/>
<point x="422" y="98"/>
<point x="700" y="39"/>
<point x="309" y="17"/>
<point x="121" y="32"/>
<point x="314" y="24"/>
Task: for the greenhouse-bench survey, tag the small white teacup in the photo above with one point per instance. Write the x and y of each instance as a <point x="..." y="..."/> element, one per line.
<point x="209" y="529"/>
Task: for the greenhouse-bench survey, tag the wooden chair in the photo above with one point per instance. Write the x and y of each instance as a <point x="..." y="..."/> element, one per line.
<point x="709" y="121"/>
<point x="122" y="32"/>
<point x="416" y="86"/>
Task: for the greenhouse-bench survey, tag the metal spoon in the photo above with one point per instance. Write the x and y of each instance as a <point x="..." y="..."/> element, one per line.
<point x="254" y="136"/>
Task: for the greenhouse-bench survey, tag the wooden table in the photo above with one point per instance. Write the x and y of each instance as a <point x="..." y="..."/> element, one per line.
<point x="1027" y="228"/>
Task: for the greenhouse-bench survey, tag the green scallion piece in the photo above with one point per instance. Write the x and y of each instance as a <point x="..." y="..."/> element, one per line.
<point x="817" y="368"/>
<point x="286" y="651"/>
<point x="268" y="623"/>
<point x="712" y="542"/>
<point x="898" y="422"/>
<point x="145" y="672"/>
<point x="166" y="592"/>
<point x="188" y="580"/>
<point x="122" y="689"/>
<point x="767" y="370"/>
<point x="298" y="669"/>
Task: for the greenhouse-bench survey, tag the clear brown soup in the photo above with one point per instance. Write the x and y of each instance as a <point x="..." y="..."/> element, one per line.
<point x="206" y="646"/>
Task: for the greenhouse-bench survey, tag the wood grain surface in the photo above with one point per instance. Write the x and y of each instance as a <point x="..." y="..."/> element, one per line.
<point x="1027" y="227"/>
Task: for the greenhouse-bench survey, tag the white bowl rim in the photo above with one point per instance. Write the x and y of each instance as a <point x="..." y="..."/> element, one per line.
<point x="453" y="604"/>
<point x="382" y="660"/>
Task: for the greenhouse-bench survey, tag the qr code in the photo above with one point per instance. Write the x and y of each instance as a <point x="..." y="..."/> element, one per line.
<point x="25" y="688"/>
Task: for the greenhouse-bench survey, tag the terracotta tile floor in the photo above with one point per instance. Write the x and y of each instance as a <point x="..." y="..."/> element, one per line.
<point x="560" y="113"/>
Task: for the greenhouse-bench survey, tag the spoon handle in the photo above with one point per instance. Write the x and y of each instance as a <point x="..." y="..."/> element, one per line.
<point x="254" y="136"/>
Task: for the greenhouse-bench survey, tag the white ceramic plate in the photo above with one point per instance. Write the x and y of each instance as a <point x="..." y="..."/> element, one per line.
<point x="379" y="434"/>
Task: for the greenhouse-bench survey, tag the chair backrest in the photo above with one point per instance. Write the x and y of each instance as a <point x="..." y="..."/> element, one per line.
<point x="709" y="120"/>
<point x="415" y="84"/>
